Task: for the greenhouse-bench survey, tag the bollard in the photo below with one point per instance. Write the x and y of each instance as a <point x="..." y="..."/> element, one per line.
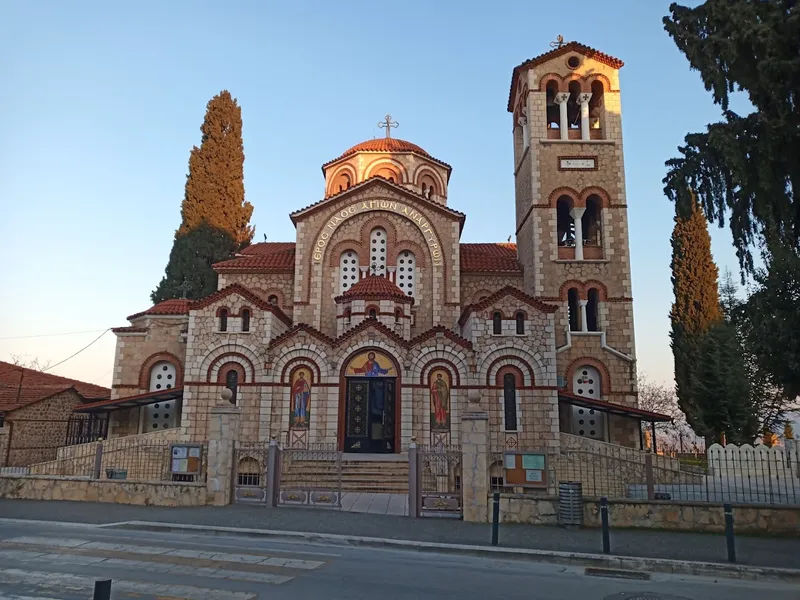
<point x="604" y="521"/>
<point x="495" y="517"/>
<point x="102" y="590"/>
<point x="729" y="537"/>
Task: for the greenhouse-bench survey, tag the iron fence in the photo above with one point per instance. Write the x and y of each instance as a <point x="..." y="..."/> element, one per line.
<point x="311" y="476"/>
<point x="439" y="476"/>
<point x="251" y="470"/>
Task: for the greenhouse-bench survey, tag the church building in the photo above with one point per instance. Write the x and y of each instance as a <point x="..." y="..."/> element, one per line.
<point x="374" y="324"/>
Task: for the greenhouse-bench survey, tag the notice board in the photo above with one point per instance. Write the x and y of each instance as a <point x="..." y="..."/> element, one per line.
<point x="525" y="469"/>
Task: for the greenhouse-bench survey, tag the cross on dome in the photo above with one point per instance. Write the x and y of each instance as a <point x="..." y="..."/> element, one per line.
<point x="387" y="124"/>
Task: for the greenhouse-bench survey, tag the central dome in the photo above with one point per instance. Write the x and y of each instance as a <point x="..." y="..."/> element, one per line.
<point x="385" y="144"/>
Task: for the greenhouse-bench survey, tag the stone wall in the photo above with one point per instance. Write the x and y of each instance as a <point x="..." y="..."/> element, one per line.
<point x="265" y="285"/>
<point x="677" y="516"/>
<point x="476" y="286"/>
<point x="35" y="431"/>
<point x="102" y="490"/>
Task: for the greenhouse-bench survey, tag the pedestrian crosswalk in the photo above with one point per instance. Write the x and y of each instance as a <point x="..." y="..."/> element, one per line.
<point x="47" y="568"/>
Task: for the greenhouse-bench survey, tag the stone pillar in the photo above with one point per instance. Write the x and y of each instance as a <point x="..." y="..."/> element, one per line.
<point x="584" y="320"/>
<point x="563" y="125"/>
<point x="576" y="214"/>
<point x="584" y="100"/>
<point x="475" y="461"/>
<point x="222" y="438"/>
<point x="526" y="132"/>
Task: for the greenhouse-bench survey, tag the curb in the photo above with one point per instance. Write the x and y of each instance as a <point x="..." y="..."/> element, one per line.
<point x="656" y="565"/>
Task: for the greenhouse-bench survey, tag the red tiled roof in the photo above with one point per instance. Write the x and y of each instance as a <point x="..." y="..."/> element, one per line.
<point x="375" y="287"/>
<point x="587" y="51"/>
<point x="129" y="330"/>
<point x="489" y="258"/>
<point x="246" y="293"/>
<point x="20" y="386"/>
<point x="176" y="306"/>
<point x="274" y="257"/>
<point x="385" y="144"/>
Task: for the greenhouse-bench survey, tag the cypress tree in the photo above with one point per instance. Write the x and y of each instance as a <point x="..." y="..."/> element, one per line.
<point x="215" y="216"/>
<point x="696" y="308"/>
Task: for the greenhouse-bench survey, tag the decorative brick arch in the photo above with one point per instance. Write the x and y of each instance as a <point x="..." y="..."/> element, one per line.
<point x="519" y="378"/>
<point x="503" y="361"/>
<point x="563" y="291"/>
<point x="419" y="253"/>
<point x="372" y="223"/>
<point x="605" y="378"/>
<point x="335" y="253"/>
<point x="426" y="170"/>
<point x="225" y="360"/>
<point x="308" y="355"/>
<point x="564" y="191"/>
<point x="226" y="309"/>
<point x="273" y="292"/>
<point x="598" y="77"/>
<point x="244" y="355"/>
<point x="393" y="164"/>
<point x="602" y="290"/>
<point x="605" y="198"/>
<point x="150" y="361"/>
<point x="422" y="364"/>
<point x="573" y="76"/>
<point x="545" y="79"/>
<point x="347" y="169"/>
<point x="225" y="367"/>
<point x="439" y="363"/>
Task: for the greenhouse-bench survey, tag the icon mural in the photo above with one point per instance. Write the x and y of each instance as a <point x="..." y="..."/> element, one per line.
<point x="371" y="364"/>
<point x="440" y="400"/>
<point x="300" y="405"/>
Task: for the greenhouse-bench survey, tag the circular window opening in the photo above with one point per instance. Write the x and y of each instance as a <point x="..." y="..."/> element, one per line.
<point x="573" y="62"/>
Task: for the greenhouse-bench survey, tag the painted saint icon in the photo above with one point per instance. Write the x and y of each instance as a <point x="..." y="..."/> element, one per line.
<point x="440" y="400"/>
<point x="371" y="367"/>
<point x="301" y="401"/>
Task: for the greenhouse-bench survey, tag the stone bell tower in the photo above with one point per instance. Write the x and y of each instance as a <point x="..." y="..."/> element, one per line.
<point x="571" y="213"/>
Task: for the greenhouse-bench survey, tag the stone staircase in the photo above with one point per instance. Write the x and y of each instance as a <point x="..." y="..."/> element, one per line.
<point x="361" y="473"/>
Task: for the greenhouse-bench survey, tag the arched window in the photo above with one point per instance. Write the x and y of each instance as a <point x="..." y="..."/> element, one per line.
<point x="590" y="221"/>
<point x="510" y="401"/>
<point x="586" y="382"/>
<point x="587" y="422"/>
<point x="162" y="376"/>
<point x="565" y="224"/>
<point x="428" y="186"/>
<point x="398" y="315"/>
<point x="378" y="250"/>
<point x="406" y="272"/>
<point x="341" y="183"/>
<point x="388" y="173"/>
<point x="596" y="104"/>
<point x="232" y="383"/>
<point x="497" y="323"/>
<point x="574" y="310"/>
<point x="348" y="270"/>
<point x="223" y="319"/>
<point x="592" y="310"/>
<point x="246" y="320"/>
<point x="372" y="313"/>
<point x="520" y="317"/>
<point x="553" y="115"/>
<point x="273" y="300"/>
<point x="348" y="313"/>
<point x="574" y="105"/>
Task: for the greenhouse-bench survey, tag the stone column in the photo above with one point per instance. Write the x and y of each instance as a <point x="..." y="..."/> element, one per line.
<point x="584" y="100"/>
<point x="526" y="132"/>
<point x="475" y="461"/>
<point x="561" y="100"/>
<point x="222" y="438"/>
<point x="584" y="320"/>
<point x="576" y="214"/>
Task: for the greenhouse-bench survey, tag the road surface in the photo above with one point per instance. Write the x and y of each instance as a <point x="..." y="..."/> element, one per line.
<point x="41" y="561"/>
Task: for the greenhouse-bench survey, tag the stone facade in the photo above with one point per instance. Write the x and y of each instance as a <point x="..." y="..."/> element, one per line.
<point x="488" y="317"/>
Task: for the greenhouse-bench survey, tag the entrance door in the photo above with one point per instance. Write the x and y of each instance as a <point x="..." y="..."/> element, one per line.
<point x="369" y="415"/>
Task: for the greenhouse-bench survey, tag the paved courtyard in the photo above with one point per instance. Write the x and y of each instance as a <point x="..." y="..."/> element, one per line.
<point x="376" y="504"/>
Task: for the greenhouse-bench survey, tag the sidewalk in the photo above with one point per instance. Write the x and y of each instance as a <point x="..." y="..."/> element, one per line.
<point x="755" y="551"/>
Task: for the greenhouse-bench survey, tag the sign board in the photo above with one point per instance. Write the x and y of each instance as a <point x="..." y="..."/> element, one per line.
<point x="186" y="459"/>
<point x="577" y="163"/>
<point x="525" y="469"/>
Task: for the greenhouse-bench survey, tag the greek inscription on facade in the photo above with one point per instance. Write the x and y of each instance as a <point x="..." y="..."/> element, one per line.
<point x="369" y="205"/>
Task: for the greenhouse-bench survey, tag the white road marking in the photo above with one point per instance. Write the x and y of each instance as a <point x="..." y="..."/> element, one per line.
<point x="43" y="579"/>
<point x="252" y="559"/>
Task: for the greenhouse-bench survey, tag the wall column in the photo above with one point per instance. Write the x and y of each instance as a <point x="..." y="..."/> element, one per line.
<point x="222" y="437"/>
<point x="584" y="320"/>
<point x="584" y="100"/>
<point x="563" y="126"/>
<point x="475" y="460"/>
<point x="576" y="214"/>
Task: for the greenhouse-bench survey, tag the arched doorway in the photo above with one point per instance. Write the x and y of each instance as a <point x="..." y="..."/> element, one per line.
<point x="369" y="403"/>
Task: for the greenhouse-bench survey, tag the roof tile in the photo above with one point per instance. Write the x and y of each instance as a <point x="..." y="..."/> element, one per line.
<point x="375" y="287"/>
<point x="489" y="258"/>
<point x="176" y="306"/>
<point x="266" y="256"/>
<point x="20" y="386"/>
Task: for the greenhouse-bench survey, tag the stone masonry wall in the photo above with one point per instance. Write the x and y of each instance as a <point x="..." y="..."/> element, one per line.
<point x="475" y="286"/>
<point x="265" y="285"/>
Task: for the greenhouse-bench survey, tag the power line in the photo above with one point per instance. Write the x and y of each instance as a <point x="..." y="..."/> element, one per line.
<point x="41" y="335"/>
<point x="78" y="352"/>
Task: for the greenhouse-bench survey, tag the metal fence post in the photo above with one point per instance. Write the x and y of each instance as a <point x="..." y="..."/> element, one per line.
<point x="273" y="477"/>
<point x="729" y="536"/>
<point x="102" y="590"/>
<point x="413" y="481"/>
<point x="495" y="517"/>
<point x="649" y="477"/>
<point x="98" y="462"/>
<point x="604" y="522"/>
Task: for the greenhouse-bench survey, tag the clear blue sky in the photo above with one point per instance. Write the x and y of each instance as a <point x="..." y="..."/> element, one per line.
<point x="102" y="101"/>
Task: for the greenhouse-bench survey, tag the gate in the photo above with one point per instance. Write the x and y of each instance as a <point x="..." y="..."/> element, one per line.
<point x="311" y="476"/>
<point x="250" y="465"/>
<point x="439" y="485"/>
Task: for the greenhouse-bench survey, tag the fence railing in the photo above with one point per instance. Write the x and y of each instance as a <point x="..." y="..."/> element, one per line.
<point x="755" y="478"/>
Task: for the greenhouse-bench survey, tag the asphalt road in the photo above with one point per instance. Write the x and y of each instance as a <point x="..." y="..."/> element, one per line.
<point x="46" y="561"/>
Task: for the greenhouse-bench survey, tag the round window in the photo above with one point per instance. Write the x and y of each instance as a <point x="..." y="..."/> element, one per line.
<point x="573" y="62"/>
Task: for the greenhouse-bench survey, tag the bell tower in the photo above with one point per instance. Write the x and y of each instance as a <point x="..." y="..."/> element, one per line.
<point x="571" y="215"/>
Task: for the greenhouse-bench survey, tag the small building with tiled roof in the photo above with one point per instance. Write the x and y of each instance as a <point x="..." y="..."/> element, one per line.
<point x="37" y="413"/>
<point x="377" y="321"/>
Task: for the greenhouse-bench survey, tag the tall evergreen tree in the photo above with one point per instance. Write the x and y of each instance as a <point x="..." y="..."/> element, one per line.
<point x="215" y="215"/>
<point x="696" y="308"/>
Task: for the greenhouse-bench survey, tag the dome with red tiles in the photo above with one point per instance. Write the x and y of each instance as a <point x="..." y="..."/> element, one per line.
<point x="384" y="144"/>
<point x="375" y="287"/>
